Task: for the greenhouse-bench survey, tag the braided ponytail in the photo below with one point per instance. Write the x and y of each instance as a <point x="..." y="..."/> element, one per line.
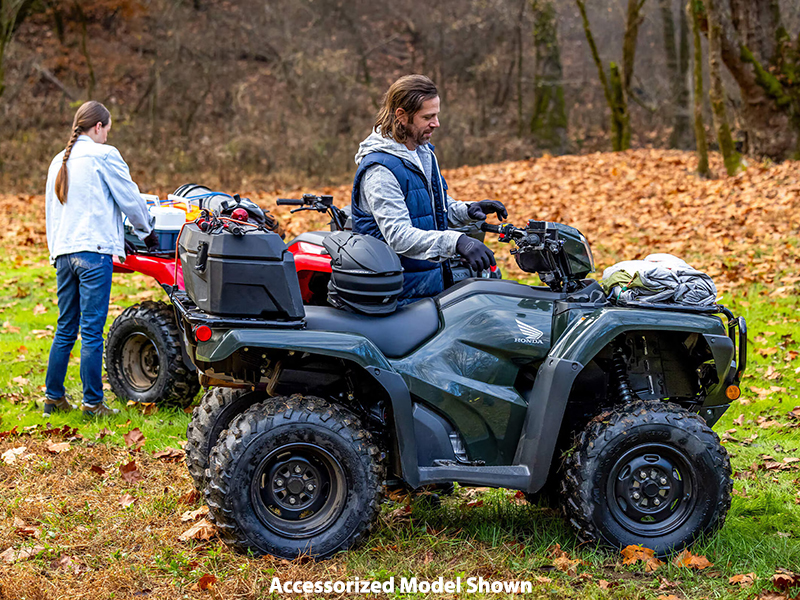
<point x="62" y="180"/>
<point x="89" y="114"/>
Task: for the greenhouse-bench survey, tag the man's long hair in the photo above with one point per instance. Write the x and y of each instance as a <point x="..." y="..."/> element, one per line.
<point x="408" y="93"/>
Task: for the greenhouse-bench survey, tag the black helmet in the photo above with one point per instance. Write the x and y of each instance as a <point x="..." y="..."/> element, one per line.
<point x="366" y="276"/>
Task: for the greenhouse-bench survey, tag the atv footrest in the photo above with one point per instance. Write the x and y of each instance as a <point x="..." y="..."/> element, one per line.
<point x="513" y="476"/>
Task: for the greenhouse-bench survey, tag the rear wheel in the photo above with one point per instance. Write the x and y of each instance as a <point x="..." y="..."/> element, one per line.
<point x="217" y="408"/>
<point x="294" y="476"/>
<point x="652" y="473"/>
<point x="144" y="361"/>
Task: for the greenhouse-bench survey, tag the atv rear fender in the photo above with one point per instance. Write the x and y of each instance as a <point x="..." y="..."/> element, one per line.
<point x="353" y="348"/>
<point x="582" y="341"/>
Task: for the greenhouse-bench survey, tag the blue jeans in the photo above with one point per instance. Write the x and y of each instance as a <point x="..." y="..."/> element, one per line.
<point x="84" y="290"/>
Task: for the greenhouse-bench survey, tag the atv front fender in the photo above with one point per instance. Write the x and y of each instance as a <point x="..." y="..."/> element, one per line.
<point x="574" y="349"/>
<point x="355" y="348"/>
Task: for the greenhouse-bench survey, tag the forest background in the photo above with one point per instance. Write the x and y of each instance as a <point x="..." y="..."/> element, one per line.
<point x="252" y="94"/>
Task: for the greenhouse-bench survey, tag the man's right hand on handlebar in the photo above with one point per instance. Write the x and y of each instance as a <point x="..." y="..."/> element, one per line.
<point x="477" y="255"/>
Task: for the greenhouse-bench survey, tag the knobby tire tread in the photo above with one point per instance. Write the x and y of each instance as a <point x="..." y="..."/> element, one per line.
<point x="181" y="384"/>
<point x="263" y="417"/>
<point x="578" y="506"/>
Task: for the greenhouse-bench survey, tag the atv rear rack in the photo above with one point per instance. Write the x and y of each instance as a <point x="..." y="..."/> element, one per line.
<point x="187" y="311"/>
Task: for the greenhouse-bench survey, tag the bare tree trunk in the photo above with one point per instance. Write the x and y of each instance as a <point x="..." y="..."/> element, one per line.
<point x="549" y="120"/>
<point x="682" y="132"/>
<point x="632" y="22"/>
<point x="519" y="67"/>
<point x="85" y="50"/>
<point x="699" y="125"/>
<point x="678" y="108"/>
<point x="717" y="92"/>
<point x="620" y="118"/>
<point x="615" y="91"/>
<point x="763" y="61"/>
<point x="12" y="13"/>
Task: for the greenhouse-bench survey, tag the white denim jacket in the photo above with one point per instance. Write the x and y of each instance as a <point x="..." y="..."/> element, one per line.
<point x="100" y="191"/>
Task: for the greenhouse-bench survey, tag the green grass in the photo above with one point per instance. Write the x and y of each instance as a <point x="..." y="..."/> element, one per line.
<point x="28" y="282"/>
<point x="500" y="539"/>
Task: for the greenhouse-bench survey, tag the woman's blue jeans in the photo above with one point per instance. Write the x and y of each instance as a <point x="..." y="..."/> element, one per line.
<point x="84" y="289"/>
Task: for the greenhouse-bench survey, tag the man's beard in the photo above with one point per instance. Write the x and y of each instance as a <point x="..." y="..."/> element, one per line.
<point x="418" y="135"/>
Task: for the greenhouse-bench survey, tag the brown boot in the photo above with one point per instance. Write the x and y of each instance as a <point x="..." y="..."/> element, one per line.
<point x="62" y="404"/>
<point x="98" y="410"/>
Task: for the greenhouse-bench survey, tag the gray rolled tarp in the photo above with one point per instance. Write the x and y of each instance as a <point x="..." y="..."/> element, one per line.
<point x="659" y="278"/>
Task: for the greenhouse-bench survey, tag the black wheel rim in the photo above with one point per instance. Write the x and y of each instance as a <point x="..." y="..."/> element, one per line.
<point x="140" y="361"/>
<point x="299" y="490"/>
<point x="652" y="490"/>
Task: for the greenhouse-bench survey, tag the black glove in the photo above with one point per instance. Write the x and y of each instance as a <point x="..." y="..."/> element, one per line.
<point x="151" y="241"/>
<point x="477" y="211"/>
<point x="477" y="255"/>
<point x="129" y="248"/>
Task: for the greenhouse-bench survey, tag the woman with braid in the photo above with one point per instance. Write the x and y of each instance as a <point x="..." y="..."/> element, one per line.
<point x="89" y="187"/>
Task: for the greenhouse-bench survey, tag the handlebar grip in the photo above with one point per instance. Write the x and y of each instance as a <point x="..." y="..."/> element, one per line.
<point x="289" y="202"/>
<point x="489" y="228"/>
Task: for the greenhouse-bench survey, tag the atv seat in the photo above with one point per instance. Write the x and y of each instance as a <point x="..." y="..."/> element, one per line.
<point x="395" y="335"/>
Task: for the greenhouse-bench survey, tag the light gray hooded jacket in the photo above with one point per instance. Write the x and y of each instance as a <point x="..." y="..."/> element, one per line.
<point x="382" y="197"/>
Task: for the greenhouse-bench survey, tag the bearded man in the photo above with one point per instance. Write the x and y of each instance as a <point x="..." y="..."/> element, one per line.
<point x="400" y="196"/>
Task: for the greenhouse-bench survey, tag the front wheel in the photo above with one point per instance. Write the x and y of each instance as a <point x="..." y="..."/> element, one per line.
<point x="294" y="476"/>
<point x="652" y="473"/>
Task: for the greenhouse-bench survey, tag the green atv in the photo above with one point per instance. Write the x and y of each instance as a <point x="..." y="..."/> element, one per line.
<point x="317" y="410"/>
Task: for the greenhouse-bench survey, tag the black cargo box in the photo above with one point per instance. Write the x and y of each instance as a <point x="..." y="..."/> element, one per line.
<point x="251" y="275"/>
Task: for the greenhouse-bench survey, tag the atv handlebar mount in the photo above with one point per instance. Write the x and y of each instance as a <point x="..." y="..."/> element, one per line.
<point x="558" y="253"/>
<point x="321" y="204"/>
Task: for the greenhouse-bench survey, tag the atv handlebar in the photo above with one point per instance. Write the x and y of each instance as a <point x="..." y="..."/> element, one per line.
<point x="289" y="202"/>
<point x="506" y="230"/>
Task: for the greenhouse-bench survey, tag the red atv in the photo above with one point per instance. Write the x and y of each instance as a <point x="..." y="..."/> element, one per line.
<point x="145" y="358"/>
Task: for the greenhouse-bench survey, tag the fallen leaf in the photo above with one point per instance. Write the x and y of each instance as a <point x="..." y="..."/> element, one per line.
<point x="134" y="439"/>
<point x="130" y="473"/>
<point x="97" y="469"/>
<point x="206" y="582"/>
<point x="633" y="554"/>
<point x="691" y="561"/>
<point x="22" y="529"/>
<point x="21" y="380"/>
<point x="57" y="448"/>
<point x="784" y="580"/>
<point x="170" y="454"/>
<point x="10" y="456"/>
<point x="69" y="563"/>
<point x="10" y="555"/>
<point x="189" y="497"/>
<point x="103" y="433"/>
<point x="193" y="515"/>
<point x="607" y="585"/>
<point x="39" y="309"/>
<point x="744" y="580"/>
<point x="562" y="560"/>
<point x="202" y="530"/>
<point x="126" y="500"/>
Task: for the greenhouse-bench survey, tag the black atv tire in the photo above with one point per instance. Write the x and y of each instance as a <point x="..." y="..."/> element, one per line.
<point x="263" y="465"/>
<point x="217" y="408"/>
<point x="144" y="361"/>
<point x="685" y="491"/>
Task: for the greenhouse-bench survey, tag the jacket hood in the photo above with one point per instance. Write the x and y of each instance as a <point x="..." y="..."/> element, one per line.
<point x="375" y="142"/>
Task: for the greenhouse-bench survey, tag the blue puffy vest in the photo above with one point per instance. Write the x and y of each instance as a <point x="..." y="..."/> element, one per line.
<point x="421" y="278"/>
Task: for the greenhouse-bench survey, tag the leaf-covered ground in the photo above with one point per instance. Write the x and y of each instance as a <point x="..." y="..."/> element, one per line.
<point x="85" y="514"/>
